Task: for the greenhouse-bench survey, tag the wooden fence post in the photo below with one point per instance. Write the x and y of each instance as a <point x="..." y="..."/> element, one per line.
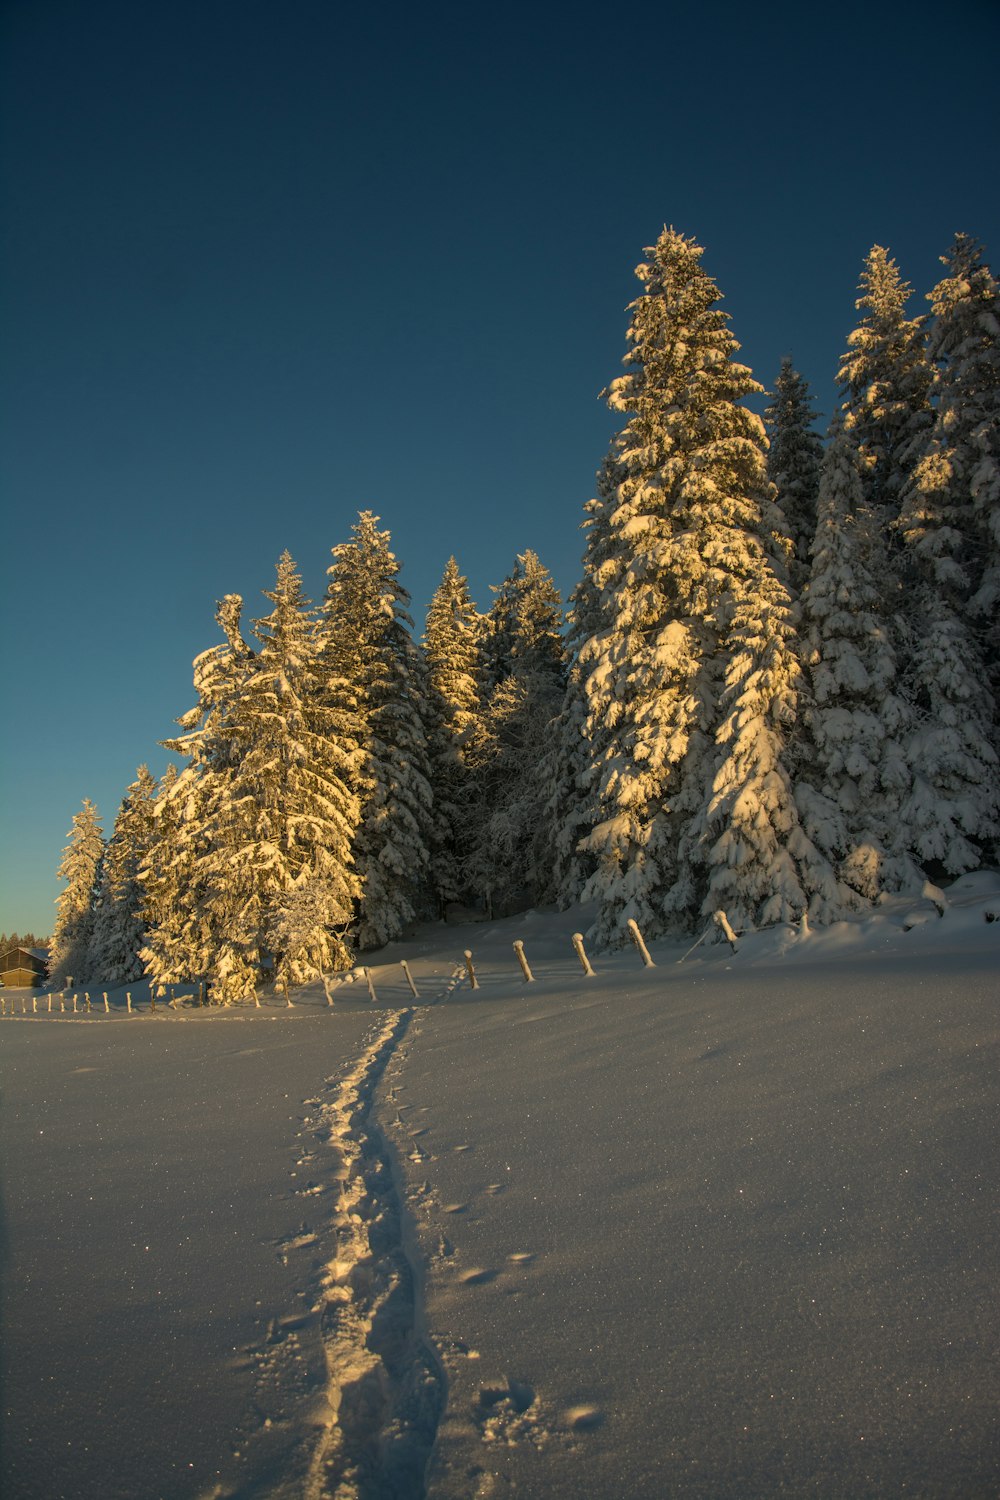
<point x="633" y="928"/>
<point x="470" y="970"/>
<point x="409" y="977"/>
<point x="371" y="988"/>
<point x="581" y="954"/>
<point x="525" y="969"/>
<point x="722" y="921"/>
<point x="106" y="1005"/>
<point x="128" y="1000"/>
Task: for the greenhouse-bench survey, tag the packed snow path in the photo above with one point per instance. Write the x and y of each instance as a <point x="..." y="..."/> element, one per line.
<point x="384" y="1386"/>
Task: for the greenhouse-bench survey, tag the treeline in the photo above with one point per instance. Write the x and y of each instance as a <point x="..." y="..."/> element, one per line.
<point x="21" y="940"/>
<point x="777" y="693"/>
<point x="340" y="780"/>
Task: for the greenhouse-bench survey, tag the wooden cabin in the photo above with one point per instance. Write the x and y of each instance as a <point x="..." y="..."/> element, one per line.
<point x="23" y="968"/>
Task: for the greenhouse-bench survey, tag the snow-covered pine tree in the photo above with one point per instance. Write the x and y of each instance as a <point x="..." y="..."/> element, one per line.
<point x="70" y="951"/>
<point x="510" y="857"/>
<point x="287" y="820"/>
<point x="852" y="775"/>
<point x="369" y="644"/>
<point x="523" y="635"/>
<point x="119" y="927"/>
<point x="885" y="380"/>
<point x="181" y="909"/>
<point x="251" y="864"/>
<point x="855" y="776"/>
<point x="451" y="651"/>
<point x="950" y="522"/>
<point x="689" y="548"/>
<point x="794" y="459"/>
<point x="576" y="751"/>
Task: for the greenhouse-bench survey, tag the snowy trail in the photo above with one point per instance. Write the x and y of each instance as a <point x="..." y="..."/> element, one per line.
<point x="384" y="1385"/>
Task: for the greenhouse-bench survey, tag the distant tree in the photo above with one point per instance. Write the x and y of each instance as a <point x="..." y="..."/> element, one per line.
<point x="853" y="778"/>
<point x="452" y="652"/>
<point x="368" y="643"/>
<point x="523" y="635"/>
<point x="179" y="942"/>
<point x="119" y="928"/>
<point x="794" y="460"/>
<point x="509" y="858"/>
<point x="885" y="382"/>
<point x="578" y="744"/>
<point x="80" y="867"/>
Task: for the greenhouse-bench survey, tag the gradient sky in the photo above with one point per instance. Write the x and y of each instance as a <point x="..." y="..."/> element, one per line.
<point x="266" y="264"/>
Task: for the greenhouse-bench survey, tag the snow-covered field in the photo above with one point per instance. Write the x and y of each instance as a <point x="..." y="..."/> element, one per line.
<point x="722" y="1227"/>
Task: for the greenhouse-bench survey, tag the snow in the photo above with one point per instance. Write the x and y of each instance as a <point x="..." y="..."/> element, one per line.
<point x="719" y="1227"/>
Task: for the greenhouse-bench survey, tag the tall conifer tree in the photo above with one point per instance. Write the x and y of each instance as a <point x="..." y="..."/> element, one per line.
<point x="369" y="644"/>
<point x="794" y="459"/>
<point x="71" y="948"/>
<point x="691" y="547"/>
<point x="119" y="927"/>
<point x="452" y="651"/>
<point x="950" y="523"/>
<point x="510" y="857"/>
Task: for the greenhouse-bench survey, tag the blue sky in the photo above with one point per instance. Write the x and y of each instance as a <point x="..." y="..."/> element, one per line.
<point x="264" y="265"/>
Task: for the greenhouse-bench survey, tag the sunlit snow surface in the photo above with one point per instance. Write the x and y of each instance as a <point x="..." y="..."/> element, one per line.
<point x="723" y="1227"/>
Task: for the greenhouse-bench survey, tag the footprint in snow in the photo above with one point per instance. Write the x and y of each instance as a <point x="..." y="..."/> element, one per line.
<point x="478" y="1276"/>
<point x="521" y="1257"/>
<point x="584" y="1418"/>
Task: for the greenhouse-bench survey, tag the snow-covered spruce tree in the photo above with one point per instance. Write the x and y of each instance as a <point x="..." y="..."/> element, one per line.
<point x="451" y="651"/>
<point x="368" y="644"/>
<point x="885" y="382"/>
<point x="950" y="522"/>
<point x="855" y="778"/>
<point x="577" y="745"/>
<point x="181" y="910"/>
<point x="509" y="859"/>
<point x="678" y="660"/>
<point x="523" y="635"/>
<point x="286" y="823"/>
<point x="70" y="951"/>
<point x="794" y="459"/>
<point x="119" y="926"/>
<point x="253" y="862"/>
<point x="852" y="776"/>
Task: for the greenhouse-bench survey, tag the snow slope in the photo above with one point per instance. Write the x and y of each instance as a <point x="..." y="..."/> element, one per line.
<point x="722" y="1227"/>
